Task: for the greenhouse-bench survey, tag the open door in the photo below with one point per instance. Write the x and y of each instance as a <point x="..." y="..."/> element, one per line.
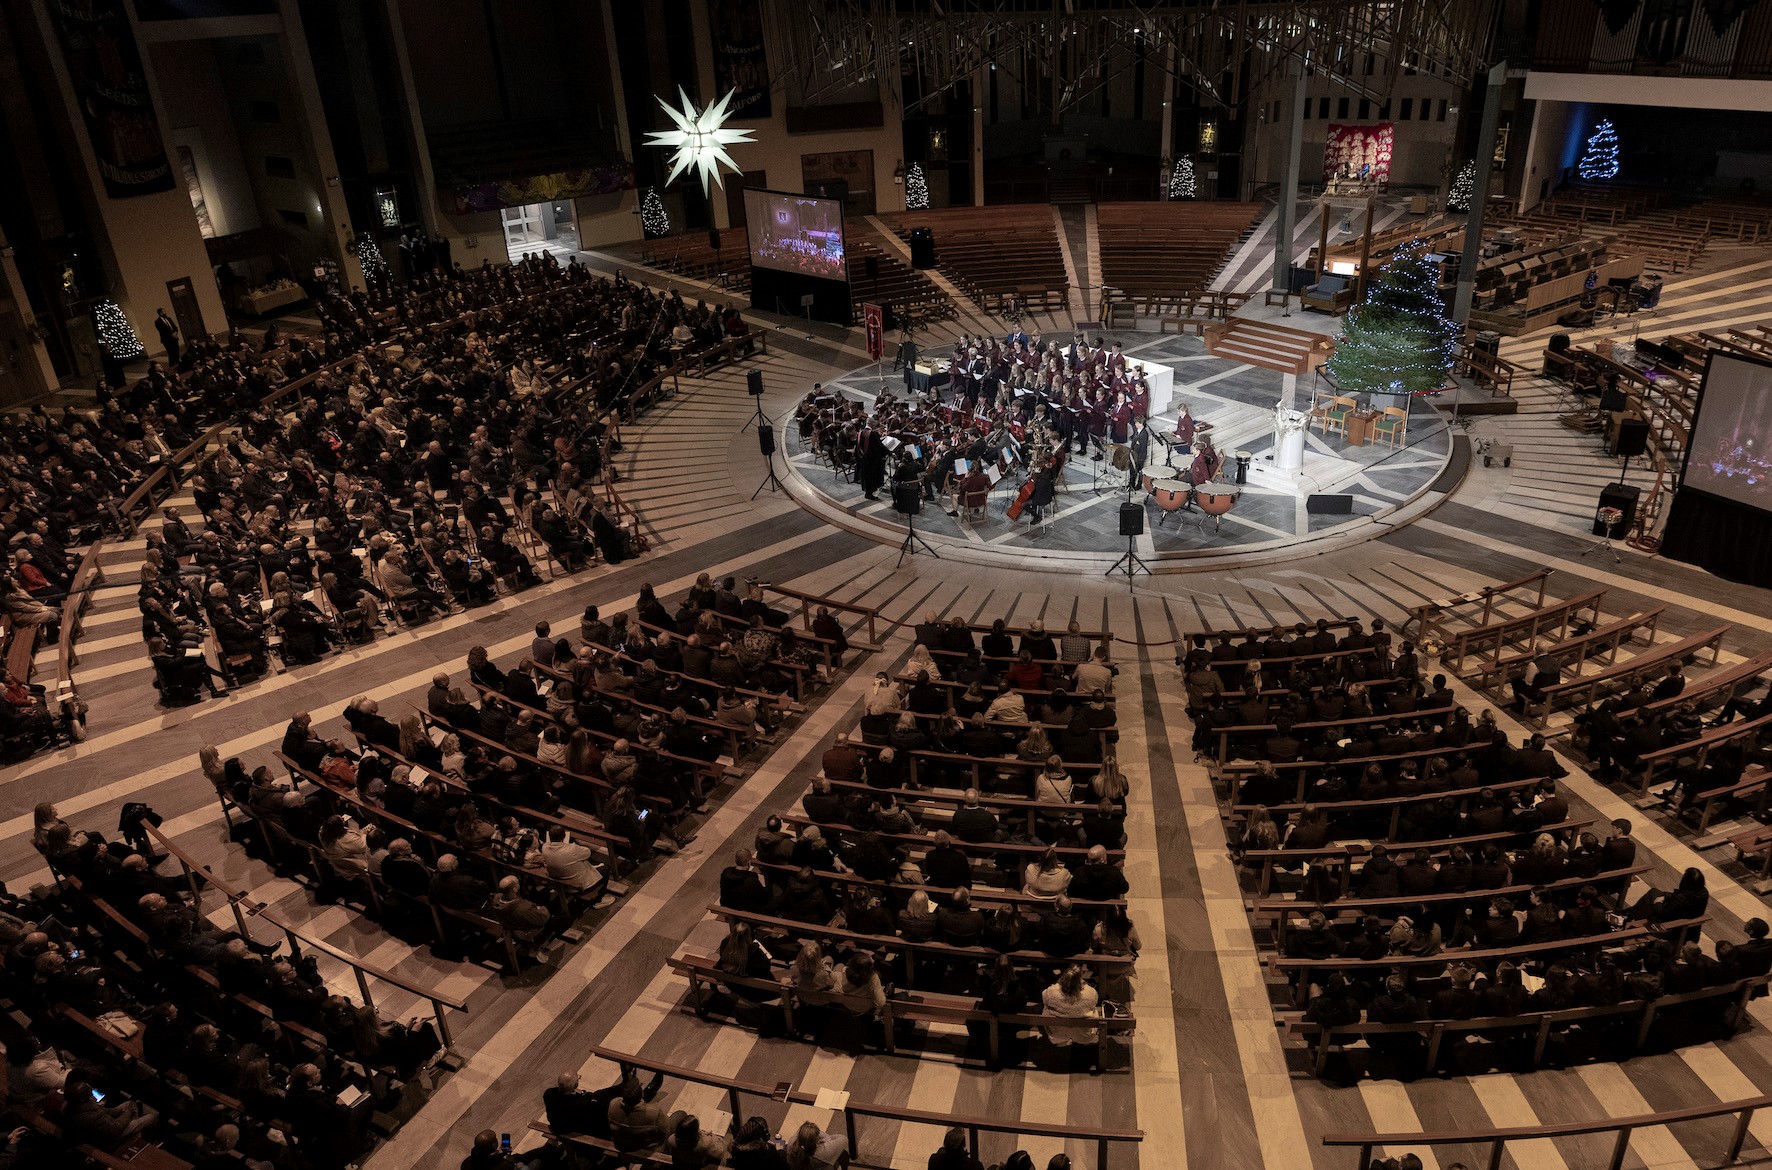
<point x="185" y="309"/>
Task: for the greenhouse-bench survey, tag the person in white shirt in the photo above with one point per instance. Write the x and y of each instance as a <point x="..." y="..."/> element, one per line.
<point x="567" y="861"/>
<point x="1096" y="674"/>
<point x="1071" y="998"/>
<point x="1007" y="707"/>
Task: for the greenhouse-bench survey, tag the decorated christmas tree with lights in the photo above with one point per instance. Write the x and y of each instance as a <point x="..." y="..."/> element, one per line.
<point x="369" y="255"/>
<point x="1600" y="160"/>
<point x="1181" y="179"/>
<point x="916" y="189"/>
<point x="114" y="330"/>
<point x="1463" y="187"/>
<point x="654" y="220"/>
<point x="1399" y="341"/>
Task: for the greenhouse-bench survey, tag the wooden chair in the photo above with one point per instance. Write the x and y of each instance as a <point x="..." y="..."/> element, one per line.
<point x="1334" y="416"/>
<point x="1390" y="425"/>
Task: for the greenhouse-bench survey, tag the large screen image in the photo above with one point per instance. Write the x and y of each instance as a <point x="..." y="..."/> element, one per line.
<point x="1732" y="436"/>
<point x="796" y="233"/>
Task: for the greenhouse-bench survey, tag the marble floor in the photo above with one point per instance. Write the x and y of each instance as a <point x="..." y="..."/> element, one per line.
<point x="1270" y="509"/>
<point x="1212" y="1084"/>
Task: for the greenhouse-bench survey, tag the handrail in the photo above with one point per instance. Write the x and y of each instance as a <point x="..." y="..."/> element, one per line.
<point x="363" y="970"/>
<point x="88" y="576"/>
<point x="1497" y="1139"/>
<point x="1425" y="615"/>
<point x="850" y="1110"/>
<point x="808" y="600"/>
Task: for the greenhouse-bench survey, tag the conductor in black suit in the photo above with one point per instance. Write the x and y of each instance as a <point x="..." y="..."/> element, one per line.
<point x="870" y="457"/>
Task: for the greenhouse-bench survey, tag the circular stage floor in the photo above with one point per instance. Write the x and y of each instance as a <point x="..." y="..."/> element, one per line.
<point x="1269" y="521"/>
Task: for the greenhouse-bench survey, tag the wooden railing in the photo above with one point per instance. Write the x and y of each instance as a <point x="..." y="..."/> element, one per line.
<point x="241" y="902"/>
<point x="1432" y="617"/>
<point x="1497" y="1139"/>
<point x="851" y="1111"/>
<point x="809" y="600"/>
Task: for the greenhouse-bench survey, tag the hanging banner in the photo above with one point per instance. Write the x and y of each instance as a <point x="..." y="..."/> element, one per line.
<point x="875" y="321"/>
<point x="739" y="60"/>
<point x="1358" y="152"/>
<point x="105" y="67"/>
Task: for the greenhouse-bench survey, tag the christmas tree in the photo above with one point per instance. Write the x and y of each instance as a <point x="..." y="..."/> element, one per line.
<point x="1463" y="187"/>
<point x="916" y="189"/>
<point x="1600" y="160"/>
<point x="1181" y="179"/>
<point x="369" y="255"/>
<point x="114" y="330"/>
<point x="1399" y="341"/>
<point x="654" y="220"/>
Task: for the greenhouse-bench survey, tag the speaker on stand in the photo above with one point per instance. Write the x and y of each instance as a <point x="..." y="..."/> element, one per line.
<point x="907" y="501"/>
<point x="753" y="384"/>
<point x="922" y="248"/>
<point x="766" y="446"/>
<point x="1131" y="527"/>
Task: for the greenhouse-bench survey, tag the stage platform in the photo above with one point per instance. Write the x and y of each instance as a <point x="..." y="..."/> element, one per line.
<point x="1270" y="520"/>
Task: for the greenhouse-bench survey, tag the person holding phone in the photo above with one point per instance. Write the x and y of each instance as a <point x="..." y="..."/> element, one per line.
<point x="99" y="1118"/>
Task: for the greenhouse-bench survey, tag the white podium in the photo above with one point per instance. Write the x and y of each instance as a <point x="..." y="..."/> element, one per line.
<point x="1289" y="442"/>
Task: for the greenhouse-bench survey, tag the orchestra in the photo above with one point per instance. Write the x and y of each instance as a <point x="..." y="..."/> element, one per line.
<point x="1020" y="405"/>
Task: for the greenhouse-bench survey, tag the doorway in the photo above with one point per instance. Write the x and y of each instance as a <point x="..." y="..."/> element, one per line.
<point x="540" y="227"/>
<point x="185" y="309"/>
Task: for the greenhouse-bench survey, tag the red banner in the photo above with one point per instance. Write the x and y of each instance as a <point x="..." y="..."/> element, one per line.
<point x="875" y="320"/>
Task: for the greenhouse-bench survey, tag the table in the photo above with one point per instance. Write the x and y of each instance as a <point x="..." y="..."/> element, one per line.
<point x="1359" y="426"/>
<point x="922" y="379"/>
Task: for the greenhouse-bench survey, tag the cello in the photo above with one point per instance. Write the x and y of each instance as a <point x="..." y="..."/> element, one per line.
<point x="1021" y="499"/>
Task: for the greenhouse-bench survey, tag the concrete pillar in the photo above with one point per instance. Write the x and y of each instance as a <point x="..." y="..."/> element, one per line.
<point x="29" y="363"/>
<point x="978" y="99"/>
<point x="147" y="240"/>
<point x="335" y="214"/>
<point x="1473" y="230"/>
<point x="424" y="178"/>
<point x="1289" y="184"/>
<point x="1168" y="148"/>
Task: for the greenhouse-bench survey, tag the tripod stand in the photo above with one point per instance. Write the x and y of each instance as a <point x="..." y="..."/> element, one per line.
<point x="912" y="542"/>
<point x="770" y="481"/>
<point x="756" y="418"/>
<point x="1133" y="564"/>
<point x="1609" y="519"/>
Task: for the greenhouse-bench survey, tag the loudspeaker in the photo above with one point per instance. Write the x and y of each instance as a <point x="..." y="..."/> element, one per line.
<point x="1329" y="504"/>
<point x="1612" y="398"/>
<point x="1623" y="497"/>
<point x="1131" y="519"/>
<point x="907" y="354"/>
<point x="871" y="266"/>
<point x="922" y="248"/>
<point x="753" y="380"/>
<point x="907" y="499"/>
<point x="1633" y="438"/>
<point x="714" y="238"/>
<point x="766" y="438"/>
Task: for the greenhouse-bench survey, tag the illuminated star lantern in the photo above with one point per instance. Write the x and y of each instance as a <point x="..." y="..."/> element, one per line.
<point x="700" y="139"/>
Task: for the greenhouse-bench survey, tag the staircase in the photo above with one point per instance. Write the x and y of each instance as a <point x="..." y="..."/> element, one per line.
<point x="1068" y="187"/>
<point x="1270" y="346"/>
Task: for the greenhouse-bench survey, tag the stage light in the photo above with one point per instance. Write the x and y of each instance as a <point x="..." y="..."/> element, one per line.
<point x="700" y="139"/>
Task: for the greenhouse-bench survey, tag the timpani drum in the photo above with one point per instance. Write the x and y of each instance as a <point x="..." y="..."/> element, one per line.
<point x="1215" y="500"/>
<point x="1171" y="496"/>
<point x="1152" y="476"/>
